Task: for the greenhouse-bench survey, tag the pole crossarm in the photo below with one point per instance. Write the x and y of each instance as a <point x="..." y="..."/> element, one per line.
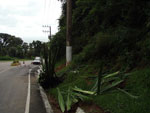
<point x="47" y="31"/>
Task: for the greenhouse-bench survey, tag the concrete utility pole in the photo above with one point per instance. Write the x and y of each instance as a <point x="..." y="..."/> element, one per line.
<point x="47" y="31"/>
<point x="69" y="32"/>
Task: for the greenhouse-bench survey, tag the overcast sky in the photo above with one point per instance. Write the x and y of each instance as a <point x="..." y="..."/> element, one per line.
<point x="24" y="18"/>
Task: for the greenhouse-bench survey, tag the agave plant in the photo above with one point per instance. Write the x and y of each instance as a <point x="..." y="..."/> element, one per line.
<point x="105" y="83"/>
<point x="69" y="97"/>
<point x="61" y="100"/>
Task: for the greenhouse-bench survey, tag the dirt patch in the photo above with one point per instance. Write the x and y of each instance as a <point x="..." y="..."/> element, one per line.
<point x="54" y="104"/>
<point x="90" y="107"/>
<point x="86" y="106"/>
<point x="60" y="67"/>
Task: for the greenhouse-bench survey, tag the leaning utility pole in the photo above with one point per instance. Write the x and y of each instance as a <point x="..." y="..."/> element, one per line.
<point x="47" y="31"/>
<point x="69" y="32"/>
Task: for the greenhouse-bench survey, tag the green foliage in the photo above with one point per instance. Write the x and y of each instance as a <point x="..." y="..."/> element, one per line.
<point x="83" y="91"/>
<point x="104" y="83"/>
<point x="48" y="76"/>
<point x="69" y="97"/>
<point x="109" y="83"/>
<point x="68" y="102"/>
<point x="59" y="41"/>
<point x="35" y="48"/>
<point x="6" y="58"/>
<point x="132" y="98"/>
<point x="10" y="45"/>
<point x="117" y="33"/>
<point x="126" y="102"/>
<point x="15" y="47"/>
<point x="61" y="100"/>
<point x="15" y="62"/>
<point x="112" y="34"/>
<point x="130" y="95"/>
<point x="99" y="79"/>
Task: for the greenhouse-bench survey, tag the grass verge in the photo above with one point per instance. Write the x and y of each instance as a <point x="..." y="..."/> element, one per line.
<point x="137" y="84"/>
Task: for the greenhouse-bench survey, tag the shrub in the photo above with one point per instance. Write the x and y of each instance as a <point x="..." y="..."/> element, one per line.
<point x="6" y="58"/>
<point x="48" y="76"/>
<point x="15" y="63"/>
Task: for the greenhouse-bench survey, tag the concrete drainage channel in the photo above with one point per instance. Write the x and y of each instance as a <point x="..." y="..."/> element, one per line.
<point x="46" y="102"/>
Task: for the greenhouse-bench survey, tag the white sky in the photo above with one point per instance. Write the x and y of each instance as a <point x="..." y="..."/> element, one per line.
<point x="24" y="18"/>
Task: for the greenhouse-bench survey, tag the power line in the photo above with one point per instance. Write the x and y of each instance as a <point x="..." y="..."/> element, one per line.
<point x="48" y="11"/>
<point x="44" y="12"/>
<point x="44" y="7"/>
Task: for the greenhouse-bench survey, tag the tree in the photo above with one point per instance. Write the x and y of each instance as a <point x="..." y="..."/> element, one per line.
<point x="25" y="48"/>
<point x="12" y="46"/>
<point x="35" y="48"/>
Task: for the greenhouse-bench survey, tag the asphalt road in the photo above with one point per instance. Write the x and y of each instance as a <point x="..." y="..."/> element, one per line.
<point x="14" y="89"/>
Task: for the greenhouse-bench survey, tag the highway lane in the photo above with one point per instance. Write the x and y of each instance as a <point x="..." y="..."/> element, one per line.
<point x="14" y="89"/>
<point x="5" y="65"/>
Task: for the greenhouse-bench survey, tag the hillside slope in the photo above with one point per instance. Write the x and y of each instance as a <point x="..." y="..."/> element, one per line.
<point x="113" y="33"/>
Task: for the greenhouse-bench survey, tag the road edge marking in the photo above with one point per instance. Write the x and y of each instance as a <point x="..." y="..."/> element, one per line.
<point x="28" y="94"/>
<point x="45" y="101"/>
<point x="44" y="96"/>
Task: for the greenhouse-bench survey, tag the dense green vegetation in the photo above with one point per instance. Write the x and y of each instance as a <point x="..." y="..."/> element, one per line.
<point x="4" y="58"/>
<point x="12" y="47"/>
<point x="115" y="32"/>
<point x="48" y="77"/>
<point x="114" y="101"/>
<point x="118" y="102"/>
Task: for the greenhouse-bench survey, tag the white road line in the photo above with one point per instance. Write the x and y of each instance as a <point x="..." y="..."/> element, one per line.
<point x="28" y="94"/>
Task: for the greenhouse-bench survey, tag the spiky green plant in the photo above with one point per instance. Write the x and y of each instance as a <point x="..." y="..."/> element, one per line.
<point x="104" y="83"/>
<point x="48" y="76"/>
<point x="69" y="97"/>
<point x="61" y="100"/>
<point x="99" y="79"/>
